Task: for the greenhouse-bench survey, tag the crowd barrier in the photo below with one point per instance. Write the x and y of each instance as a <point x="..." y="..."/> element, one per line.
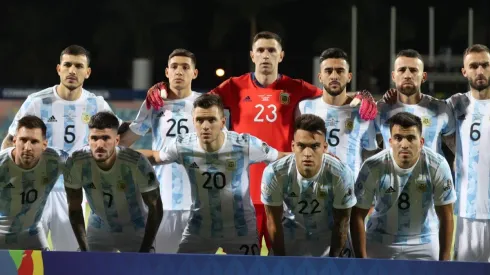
<point x="29" y="262"/>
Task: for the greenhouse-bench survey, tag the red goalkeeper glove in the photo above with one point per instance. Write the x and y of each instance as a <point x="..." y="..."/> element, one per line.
<point x="390" y="96"/>
<point x="368" y="109"/>
<point x="155" y="96"/>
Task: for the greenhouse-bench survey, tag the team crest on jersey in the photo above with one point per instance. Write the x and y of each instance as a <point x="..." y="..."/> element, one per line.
<point x="45" y="180"/>
<point x="349" y="125"/>
<point x="322" y="191"/>
<point x="426" y="121"/>
<point x="85" y="117"/>
<point x="448" y="185"/>
<point x="230" y="164"/>
<point x="151" y="178"/>
<point x="121" y="185"/>
<point x="284" y="98"/>
<point x="421" y="187"/>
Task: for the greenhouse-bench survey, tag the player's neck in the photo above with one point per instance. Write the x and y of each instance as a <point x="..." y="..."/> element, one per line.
<point x="308" y="174"/>
<point x="215" y="145"/>
<point x="481" y="95"/>
<point x="410" y="100"/>
<point x="406" y="165"/>
<point x="67" y="94"/>
<point x="179" y="94"/>
<point x="336" y="100"/>
<point x="266" y="79"/>
<point x="108" y="163"/>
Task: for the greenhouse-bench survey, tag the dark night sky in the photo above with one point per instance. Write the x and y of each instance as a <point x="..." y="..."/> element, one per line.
<point x="218" y="32"/>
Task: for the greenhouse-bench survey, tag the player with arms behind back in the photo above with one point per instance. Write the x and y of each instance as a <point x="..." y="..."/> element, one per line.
<point x="174" y="118"/>
<point x="28" y="172"/>
<point x="65" y="109"/>
<point x="262" y="103"/>
<point x="121" y="189"/>
<point x="412" y="190"/>
<point x="217" y="162"/>
<point x="317" y="190"/>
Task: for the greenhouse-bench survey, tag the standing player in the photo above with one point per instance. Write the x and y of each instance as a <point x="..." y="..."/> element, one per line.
<point x="65" y="109"/>
<point x="436" y="116"/>
<point x="412" y="190"/>
<point x="317" y="190"/>
<point x="217" y="162"/>
<point x="121" y="189"/>
<point x="348" y="135"/>
<point x="472" y="113"/>
<point x="28" y="172"/>
<point x="262" y="103"/>
<point x="174" y="118"/>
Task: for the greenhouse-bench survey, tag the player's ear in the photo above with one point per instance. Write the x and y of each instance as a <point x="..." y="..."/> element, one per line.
<point x="117" y="139"/>
<point x="89" y="71"/>
<point x="349" y="77"/>
<point x="58" y="69"/>
<point x="390" y="140"/>
<point x="45" y="144"/>
<point x="281" y="56"/>
<point x="393" y="76"/>
<point x="292" y="146"/>
<point x="424" y="77"/>
<point x="463" y="71"/>
<point x="422" y="141"/>
<point x="325" y="147"/>
<point x="166" y="72"/>
<point x="252" y="55"/>
<point x="195" y="74"/>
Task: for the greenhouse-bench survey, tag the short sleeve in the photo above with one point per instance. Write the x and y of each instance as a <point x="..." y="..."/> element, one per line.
<point x="259" y="151"/>
<point x="343" y="190"/>
<point x="145" y="178"/>
<point x="271" y="188"/>
<point x="27" y="108"/>
<point x="444" y="192"/>
<point x="368" y="139"/>
<point x="364" y="188"/>
<point x="142" y="123"/>
<point x="71" y="176"/>
<point x="450" y="126"/>
<point x="170" y="153"/>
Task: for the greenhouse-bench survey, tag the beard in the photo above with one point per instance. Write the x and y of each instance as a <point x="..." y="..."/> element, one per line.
<point x="479" y="87"/>
<point x="408" y="91"/>
<point x="334" y="92"/>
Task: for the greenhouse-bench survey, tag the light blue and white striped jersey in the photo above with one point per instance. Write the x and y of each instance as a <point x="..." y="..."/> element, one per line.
<point x="472" y="173"/>
<point x="114" y="196"/>
<point x="66" y="121"/>
<point x="347" y="133"/>
<point x="436" y="116"/>
<point x="175" y="117"/>
<point x="23" y="193"/>
<point x="404" y="211"/>
<point x="221" y="203"/>
<point x="308" y="202"/>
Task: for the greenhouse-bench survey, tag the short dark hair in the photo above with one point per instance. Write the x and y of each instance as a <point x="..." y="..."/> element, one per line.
<point x="267" y="35"/>
<point x="185" y="53"/>
<point x="76" y="50"/>
<point x="405" y="120"/>
<point x="476" y="48"/>
<point x="207" y="101"/>
<point x="103" y="120"/>
<point x="32" y="122"/>
<point x="310" y="123"/>
<point x="334" y="53"/>
<point x="409" y="53"/>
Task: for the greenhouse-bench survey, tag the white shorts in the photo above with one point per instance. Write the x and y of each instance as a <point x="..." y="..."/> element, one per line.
<point x="247" y="245"/>
<point x="25" y="241"/>
<point x="103" y="240"/>
<point x="55" y="219"/>
<point x="428" y="251"/>
<point x="472" y="242"/>
<point x="170" y="231"/>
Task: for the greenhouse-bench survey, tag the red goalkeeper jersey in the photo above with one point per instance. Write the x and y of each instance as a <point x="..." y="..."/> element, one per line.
<point x="264" y="112"/>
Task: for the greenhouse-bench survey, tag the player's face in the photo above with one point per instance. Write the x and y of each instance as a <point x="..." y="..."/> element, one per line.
<point x="266" y="54"/>
<point x="209" y="123"/>
<point x="73" y="70"/>
<point x="103" y="143"/>
<point x="308" y="149"/>
<point x="477" y="70"/>
<point x="180" y="72"/>
<point x="334" y="75"/>
<point x="408" y="75"/>
<point x="406" y="144"/>
<point x="29" y="146"/>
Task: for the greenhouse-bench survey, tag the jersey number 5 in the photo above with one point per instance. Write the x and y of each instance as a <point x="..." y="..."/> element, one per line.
<point x="70" y="133"/>
<point x="260" y="118"/>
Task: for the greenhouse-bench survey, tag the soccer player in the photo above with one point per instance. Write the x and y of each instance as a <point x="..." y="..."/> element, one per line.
<point x="472" y="114"/>
<point x="262" y="103"/>
<point x="65" y="109"/>
<point x="317" y="190"/>
<point x="121" y="189"/>
<point x="217" y="162"/>
<point x="436" y="116"/>
<point x="174" y="118"/>
<point x="28" y="172"/>
<point x="348" y="136"/>
<point x="412" y="190"/>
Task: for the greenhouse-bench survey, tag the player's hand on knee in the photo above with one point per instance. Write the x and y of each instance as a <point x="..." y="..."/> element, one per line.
<point x="390" y="96"/>
<point x="155" y="96"/>
<point x="368" y="109"/>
